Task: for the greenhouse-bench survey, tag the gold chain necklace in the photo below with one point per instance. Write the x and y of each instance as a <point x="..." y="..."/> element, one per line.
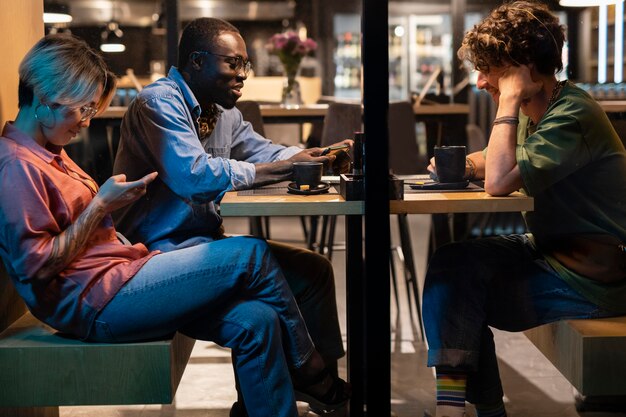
<point x="555" y="92"/>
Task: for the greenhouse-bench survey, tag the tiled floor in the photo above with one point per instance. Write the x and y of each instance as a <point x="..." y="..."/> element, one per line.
<point x="533" y="387"/>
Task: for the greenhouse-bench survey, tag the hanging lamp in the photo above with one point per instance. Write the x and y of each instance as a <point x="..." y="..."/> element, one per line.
<point x="112" y="38"/>
<point x="56" y="12"/>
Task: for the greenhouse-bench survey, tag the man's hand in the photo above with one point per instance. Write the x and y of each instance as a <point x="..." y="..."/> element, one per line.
<point x="315" y="154"/>
<point x="272" y="172"/>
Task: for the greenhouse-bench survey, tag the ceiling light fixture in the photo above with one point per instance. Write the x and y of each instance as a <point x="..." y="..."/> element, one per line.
<point x="112" y="38"/>
<point x="58" y="28"/>
<point x="588" y="3"/>
<point x="56" y="12"/>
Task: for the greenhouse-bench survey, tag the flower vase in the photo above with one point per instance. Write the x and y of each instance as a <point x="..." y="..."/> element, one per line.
<point x="291" y="90"/>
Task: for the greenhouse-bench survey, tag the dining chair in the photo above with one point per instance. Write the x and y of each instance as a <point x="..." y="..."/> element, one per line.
<point x="340" y="122"/>
<point x="405" y="158"/>
<point x="251" y="112"/>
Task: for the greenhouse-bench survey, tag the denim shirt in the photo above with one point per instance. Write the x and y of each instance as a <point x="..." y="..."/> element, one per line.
<point x="160" y="132"/>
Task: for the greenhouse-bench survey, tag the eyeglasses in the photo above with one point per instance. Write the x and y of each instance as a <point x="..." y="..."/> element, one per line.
<point x="236" y="63"/>
<point x="87" y="113"/>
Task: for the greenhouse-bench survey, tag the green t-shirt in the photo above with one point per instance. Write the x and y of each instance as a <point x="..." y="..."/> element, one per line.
<point x="574" y="165"/>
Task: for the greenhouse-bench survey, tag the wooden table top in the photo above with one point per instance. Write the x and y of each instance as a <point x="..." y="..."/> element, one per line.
<point x="319" y="110"/>
<point x="333" y="204"/>
<point x="613" y="106"/>
<point x="306" y="110"/>
<point x="288" y="205"/>
<point x="460" y="202"/>
<point x="441" y="109"/>
<point x="311" y="110"/>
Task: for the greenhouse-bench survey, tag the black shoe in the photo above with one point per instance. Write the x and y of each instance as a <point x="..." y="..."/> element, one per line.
<point x="336" y="396"/>
<point x="238" y="410"/>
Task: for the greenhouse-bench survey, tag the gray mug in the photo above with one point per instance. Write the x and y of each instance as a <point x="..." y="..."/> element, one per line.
<point x="307" y="173"/>
<point x="450" y="163"/>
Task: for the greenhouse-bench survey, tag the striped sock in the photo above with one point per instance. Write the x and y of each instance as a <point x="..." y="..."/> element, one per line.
<point x="451" y="394"/>
<point x="491" y="410"/>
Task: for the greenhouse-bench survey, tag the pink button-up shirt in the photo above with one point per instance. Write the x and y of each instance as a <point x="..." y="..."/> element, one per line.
<point x="42" y="192"/>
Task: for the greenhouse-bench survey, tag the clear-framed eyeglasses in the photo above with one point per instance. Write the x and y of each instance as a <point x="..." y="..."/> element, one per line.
<point x="87" y="112"/>
<point x="237" y="63"/>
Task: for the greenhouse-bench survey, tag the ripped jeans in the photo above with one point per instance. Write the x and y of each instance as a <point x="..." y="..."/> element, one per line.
<point x="503" y="282"/>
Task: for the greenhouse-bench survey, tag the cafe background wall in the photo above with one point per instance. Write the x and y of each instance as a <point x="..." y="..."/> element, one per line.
<point x="337" y="59"/>
<point x="20" y="27"/>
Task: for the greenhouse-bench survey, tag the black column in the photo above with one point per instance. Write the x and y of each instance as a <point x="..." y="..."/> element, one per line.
<point x="375" y="55"/>
<point x="173" y="27"/>
<point x="458" y="8"/>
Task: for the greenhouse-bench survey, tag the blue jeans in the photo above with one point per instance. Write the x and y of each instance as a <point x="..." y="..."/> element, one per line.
<point x="230" y="291"/>
<point x="503" y="282"/>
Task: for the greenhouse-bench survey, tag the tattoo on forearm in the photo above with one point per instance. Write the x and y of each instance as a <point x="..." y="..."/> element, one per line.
<point x="70" y="242"/>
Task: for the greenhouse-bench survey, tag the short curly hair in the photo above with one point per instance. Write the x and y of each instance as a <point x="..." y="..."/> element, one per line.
<point x="516" y="33"/>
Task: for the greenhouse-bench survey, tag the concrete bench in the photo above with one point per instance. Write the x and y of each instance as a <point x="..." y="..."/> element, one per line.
<point x="591" y="355"/>
<point x="41" y="369"/>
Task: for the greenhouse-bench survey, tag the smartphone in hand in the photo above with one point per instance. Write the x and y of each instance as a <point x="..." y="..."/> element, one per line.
<point x="341" y="164"/>
<point x="334" y="150"/>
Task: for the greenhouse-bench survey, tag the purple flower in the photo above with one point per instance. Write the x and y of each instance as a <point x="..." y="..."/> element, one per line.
<point x="289" y="47"/>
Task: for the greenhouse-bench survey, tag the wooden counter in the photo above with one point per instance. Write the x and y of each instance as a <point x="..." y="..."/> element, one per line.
<point x="440" y="109"/>
<point x="613" y="106"/>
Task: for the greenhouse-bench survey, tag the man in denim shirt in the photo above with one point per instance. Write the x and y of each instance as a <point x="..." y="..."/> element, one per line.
<point x="186" y="127"/>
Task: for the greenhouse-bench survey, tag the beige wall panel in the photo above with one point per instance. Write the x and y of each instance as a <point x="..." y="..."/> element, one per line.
<point x="21" y="25"/>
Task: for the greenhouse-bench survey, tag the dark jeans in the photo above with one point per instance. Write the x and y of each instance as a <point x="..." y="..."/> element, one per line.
<point x="502" y="282"/>
<point x="311" y="280"/>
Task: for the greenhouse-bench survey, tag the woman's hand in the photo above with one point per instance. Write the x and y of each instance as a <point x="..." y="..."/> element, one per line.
<point x="116" y="193"/>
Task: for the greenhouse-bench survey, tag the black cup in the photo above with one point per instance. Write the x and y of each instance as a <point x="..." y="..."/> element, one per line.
<point x="450" y="163"/>
<point x="307" y="173"/>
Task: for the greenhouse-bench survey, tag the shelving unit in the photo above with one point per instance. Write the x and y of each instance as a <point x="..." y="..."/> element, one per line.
<point x="347" y="56"/>
<point x="398" y="50"/>
<point x="430" y="48"/>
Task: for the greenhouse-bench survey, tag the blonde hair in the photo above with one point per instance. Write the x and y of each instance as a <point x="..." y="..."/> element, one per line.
<point x="63" y="69"/>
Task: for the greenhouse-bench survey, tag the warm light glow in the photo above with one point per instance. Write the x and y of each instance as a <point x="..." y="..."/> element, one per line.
<point x="398" y="31"/>
<point x="112" y="47"/>
<point x="112" y="38"/>
<point x="56" y="18"/>
<point x="588" y="3"/>
<point x="618" y="76"/>
<point x="602" y="42"/>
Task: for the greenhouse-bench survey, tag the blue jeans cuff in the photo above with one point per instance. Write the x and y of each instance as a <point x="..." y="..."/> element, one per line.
<point x="453" y="358"/>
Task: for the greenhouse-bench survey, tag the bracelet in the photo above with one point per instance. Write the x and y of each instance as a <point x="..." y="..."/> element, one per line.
<point x="472" y="169"/>
<point x="509" y="120"/>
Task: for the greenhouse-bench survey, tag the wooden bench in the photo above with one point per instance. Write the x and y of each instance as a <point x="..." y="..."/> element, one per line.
<point x="591" y="355"/>
<point x="41" y="369"/>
